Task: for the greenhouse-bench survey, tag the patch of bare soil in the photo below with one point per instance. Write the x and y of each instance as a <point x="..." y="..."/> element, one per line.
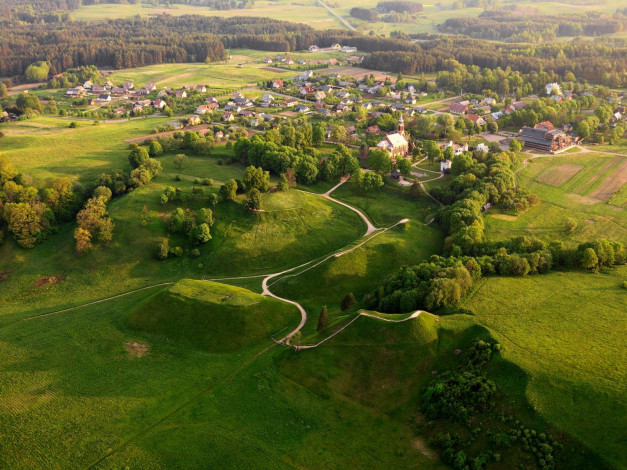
<point x="421" y="446"/>
<point x="136" y="349"/>
<point x="51" y="281"/>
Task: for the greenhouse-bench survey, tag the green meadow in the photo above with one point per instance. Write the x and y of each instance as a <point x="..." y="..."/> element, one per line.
<point x="46" y="147"/>
<point x="583" y="186"/>
<point x="566" y="330"/>
<point x="217" y="77"/>
<point x="305" y="12"/>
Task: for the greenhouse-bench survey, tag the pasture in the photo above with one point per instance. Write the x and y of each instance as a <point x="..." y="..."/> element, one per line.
<point x="585" y="186"/>
<point x="216" y="76"/>
<point x="304" y="12"/>
<point x="566" y="330"/>
<point x="47" y="148"/>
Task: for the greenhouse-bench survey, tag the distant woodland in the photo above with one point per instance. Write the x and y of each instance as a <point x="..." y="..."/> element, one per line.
<point x="28" y="36"/>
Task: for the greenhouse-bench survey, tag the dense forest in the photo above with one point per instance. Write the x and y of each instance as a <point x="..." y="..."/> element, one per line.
<point x="510" y="26"/>
<point x="137" y="42"/>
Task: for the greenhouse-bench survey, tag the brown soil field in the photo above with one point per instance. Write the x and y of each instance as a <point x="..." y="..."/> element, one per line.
<point x="557" y="176"/>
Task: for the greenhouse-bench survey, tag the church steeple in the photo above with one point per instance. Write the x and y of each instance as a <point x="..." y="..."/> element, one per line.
<point x="401" y="125"/>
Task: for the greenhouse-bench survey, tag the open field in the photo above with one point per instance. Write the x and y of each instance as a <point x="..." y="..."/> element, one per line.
<point x="46" y="148"/>
<point x="566" y="330"/>
<point x="585" y="186"/>
<point x="306" y="12"/>
<point x="215" y="76"/>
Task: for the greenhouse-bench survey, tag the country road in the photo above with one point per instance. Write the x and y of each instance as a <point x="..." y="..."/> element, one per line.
<point x="344" y="22"/>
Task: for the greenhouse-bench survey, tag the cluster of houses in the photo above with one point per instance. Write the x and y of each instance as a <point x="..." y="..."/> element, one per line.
<point x="477" y="110"/>
<point x="335" y="47"/>
<point x="281" y="60"/>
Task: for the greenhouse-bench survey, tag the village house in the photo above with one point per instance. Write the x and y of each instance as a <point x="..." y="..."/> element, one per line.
<point x="373" y="130"/>
<point x="193" y="120"/>
<point x="88" y="84"/>
<point x="75" y="92"/>
<point x="128" y="85"/>
<point x="336" y="47"/>
<point x="348" y="49"/>
<point x="228" y="116"/>
<point x="211" y="99"/>
<point x="290" y="102"/>
<point x="202" y="109"/>
<point x="445" y="166"/>
<point x="289" y="61"/>
<point x="277" y="84"/>
<point x="97" y="89"/>
<point x="458" y="108"/>
<point x="313" y="48"/>
<point x="268" y="60"/>
<point x="457" y="149"/>
<point x="180" y="94"/>
<point x="159" y="104"/>
<point x="175" y="124"/>
<point x="150" y="86"/>
<point x="482" y="148"/>
<point x="476" y="119"/>
<point x="396" y="143"/>
<point x="201" y="88"/>
<point x="545" y="140"/>
<point x="301" y="108"/>
<point x="104" y="98"/>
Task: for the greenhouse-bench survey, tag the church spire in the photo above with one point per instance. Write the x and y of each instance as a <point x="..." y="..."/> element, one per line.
<point x="401" y="125"/>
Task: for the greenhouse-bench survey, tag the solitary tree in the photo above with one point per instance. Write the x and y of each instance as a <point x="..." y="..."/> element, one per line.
<point x="180" y="160"/>
<point x="348" y="302"/>
<point x="323" y="320"/>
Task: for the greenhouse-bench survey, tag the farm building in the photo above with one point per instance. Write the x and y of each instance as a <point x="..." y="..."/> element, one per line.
<point x="547" y="141"/>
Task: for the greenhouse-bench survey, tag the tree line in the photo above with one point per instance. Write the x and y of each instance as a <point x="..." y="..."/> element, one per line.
<point x="502" y="25"/>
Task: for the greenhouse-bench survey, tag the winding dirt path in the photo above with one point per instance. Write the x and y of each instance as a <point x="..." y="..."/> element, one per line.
<point x="359" y="315"/>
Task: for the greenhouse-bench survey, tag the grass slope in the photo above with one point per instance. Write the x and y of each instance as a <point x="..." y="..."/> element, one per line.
<point x="212" y="316"/>
<point x="359" y="271"/>
<point x="46" y="148"/>
<point x="566" y="331"/>
<point x="296" y="228"/>
<point x="216" y="76"/>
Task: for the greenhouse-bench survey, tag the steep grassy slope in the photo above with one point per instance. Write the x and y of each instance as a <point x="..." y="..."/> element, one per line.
<point x="212" y="316"/>
<point x="567" y="332"/>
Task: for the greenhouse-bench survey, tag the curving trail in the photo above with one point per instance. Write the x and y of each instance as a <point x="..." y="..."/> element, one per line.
<point x="359" y="315"/>
<point x="369" y="227"/>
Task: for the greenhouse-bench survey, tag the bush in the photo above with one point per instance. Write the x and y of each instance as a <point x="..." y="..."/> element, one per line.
<point x="162" y="250"/>
<point x="73" y="125"/>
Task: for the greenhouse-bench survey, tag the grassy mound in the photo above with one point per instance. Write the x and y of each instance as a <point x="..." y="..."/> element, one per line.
<point x="211" y="316"/>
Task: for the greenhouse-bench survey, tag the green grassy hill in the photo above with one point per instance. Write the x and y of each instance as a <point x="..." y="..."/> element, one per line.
<point x="566" y="331"/>
<point x="212" y="316"/>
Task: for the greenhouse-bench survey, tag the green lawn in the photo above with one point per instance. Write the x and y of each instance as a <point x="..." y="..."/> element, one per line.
<point x="567" y="332"/>
<point x="388" y="205"/>
<point x="46" y="148"/>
